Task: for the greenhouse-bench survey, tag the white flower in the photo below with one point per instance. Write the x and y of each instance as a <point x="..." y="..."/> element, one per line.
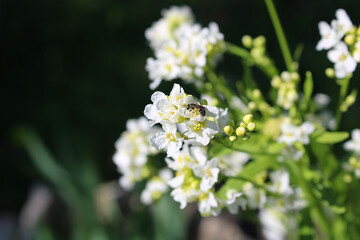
<point x="329" y="36"/>
<point x="344" y="62"/>
<point x="256" y="197"/>
<point x="163" y="29"/>
<point x="321" y="100"/>
<point x="353" y="145"/>
<point x="183" y="195"/>
<point x="208" y="172"/>
<point x="234" y="200"/>
<point x="202" y="132"/>
<point x="280" y="182"/>
<point x="132" y="150"/>
<point x="304" y="131"/>
<point x="272" y="223"/>
<point x="169" y="139"/>
<point x="232" y="164"/>
<point x="182" y="49"/>
<point x="155" y="187"/>
<point x="342" y="24"/>
<point x="208" y="205"/>
<point x="289" y="134"/>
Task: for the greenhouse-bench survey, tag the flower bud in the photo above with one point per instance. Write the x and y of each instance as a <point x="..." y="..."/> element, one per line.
<point x="276" y="82"/>
<point x="251" y="126"/>
<point x="247" y="41"/>
<point x="246" y="137"/>
<point x="232" y="138"/>
<point x="285" y="76"/>
<point x="242" y="124"/>
<point x="252" y="105"/>
<point x="330" y="73"/>
<point x="240" y="131"/>
<point x="295" y="76"/>
<point x="259" y="41"/>
<point x="248" y="118"/>
<point x="228" y="130"/>
<point x="257" y="93"/>
<point x="203" y="102"/>
<point x="349" y="39"/>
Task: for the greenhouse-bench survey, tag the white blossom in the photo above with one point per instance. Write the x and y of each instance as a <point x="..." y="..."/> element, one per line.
<point x="132" y="150"/>
<point x="155" y="187"/>
<point x="232" y="164"/>
<point x="208" y="205"/>
<point x="170" y="139"/>
<point x="208" y="172"/>
<point x="234" y="199"/>
<point x="353" y="145"/>
<point x="344" y="62"/>
<point x="329" y="36"/>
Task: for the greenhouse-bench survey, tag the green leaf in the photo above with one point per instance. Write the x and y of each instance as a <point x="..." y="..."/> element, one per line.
<point x="308" y="88"/>
<point x="331" y="137"/>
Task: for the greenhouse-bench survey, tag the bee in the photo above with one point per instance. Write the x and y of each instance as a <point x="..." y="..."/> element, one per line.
<point x="196" y="107"/>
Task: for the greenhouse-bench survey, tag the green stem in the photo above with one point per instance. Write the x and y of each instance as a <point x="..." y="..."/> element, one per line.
<point x="343" y="90"/>
<point x="280" y="35"/>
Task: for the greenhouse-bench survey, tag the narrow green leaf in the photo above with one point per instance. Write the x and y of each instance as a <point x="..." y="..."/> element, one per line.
<point x="331" y="137"/>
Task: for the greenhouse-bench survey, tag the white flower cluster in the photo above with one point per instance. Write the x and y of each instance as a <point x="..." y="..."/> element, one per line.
<point x="278" y="217"/>
<point x="286" y="84"/>
<point x="183" y="119"/>
<point x="132" y="150"/>
<point x="331" y="38"/>
<point x="182" y="48"/>
<point x="291" y="134"/>
<point x="194" y="179"/>
<point x="322" y="116"/>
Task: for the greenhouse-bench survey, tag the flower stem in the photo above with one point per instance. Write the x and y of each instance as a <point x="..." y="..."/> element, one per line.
<point x="280" y="35"/>
<point x="343" y="90"/>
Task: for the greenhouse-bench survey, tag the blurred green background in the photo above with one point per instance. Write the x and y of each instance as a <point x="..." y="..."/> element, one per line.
<point x="74" y="71"/>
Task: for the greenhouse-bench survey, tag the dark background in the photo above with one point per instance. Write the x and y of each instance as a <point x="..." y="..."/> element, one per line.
<point x="74" y="70"/>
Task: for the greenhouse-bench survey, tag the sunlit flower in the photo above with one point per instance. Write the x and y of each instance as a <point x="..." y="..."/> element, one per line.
<point x="208" y="172"/>
<point x="232" y="164"/>
<point x="208" y="205"/>
<point x="234" y="199"/>
<point x="329" y="37"/>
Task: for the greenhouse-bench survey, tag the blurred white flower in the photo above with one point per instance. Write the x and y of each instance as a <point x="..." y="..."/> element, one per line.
<point x="256" y="197"/>
<point x="344" y="62"/>
<point x="232" y="164"/>
<point x="342" y="24"/>
<point x="234" y="199"/>
<point x="353" y="145"/>
<point x="132" y="150"/>
<point x="272" y="223"/>
<point x="291" y="133"/>
<point x="321" y="100"/>
<point x="208" y="205"/>
<point x="329" y="37"/>
<point x="156" y="187"/>
<point x="280" y="182"/>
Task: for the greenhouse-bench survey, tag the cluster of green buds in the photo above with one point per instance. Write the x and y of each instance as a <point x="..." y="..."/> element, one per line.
<point x="257" y="47"/>
<point x="349" y="100"/>
<point x="286" y="85"/>
<point x="241" y="129"/>
<point x="259" y="103"/>
<point x="352" y="39"/>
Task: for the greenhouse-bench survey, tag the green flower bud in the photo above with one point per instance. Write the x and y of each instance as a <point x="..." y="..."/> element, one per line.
<point x="203" y="102"/>
<point x="228" y="130"/>
<point x="247" y="41"/>
<point x="232" y="138"/>
<point x="330" y="73"/>
<point x="256" y="93"/>
<point x="242" y="125"/>
<point x="248" y="118"/>
<point x="349" y="39"/>
<point x="251" y="126"/>
<point x="259" y="41"/>
<point x="240" y="131"/>
<point x="252" y="105"/>
<point x="246" y="137"/>
<point x="276" y="82"/>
